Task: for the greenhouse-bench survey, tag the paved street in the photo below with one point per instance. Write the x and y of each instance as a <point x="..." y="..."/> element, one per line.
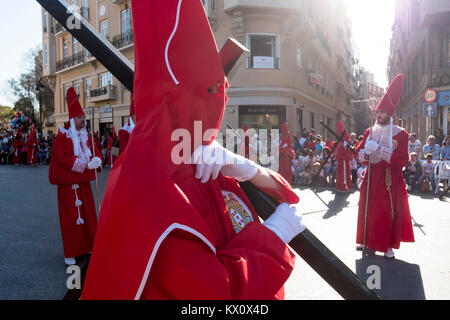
<point x="32" y="265"/>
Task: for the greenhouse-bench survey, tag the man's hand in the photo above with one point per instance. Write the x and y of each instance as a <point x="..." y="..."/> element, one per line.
<point x="95" y="163"/>
<point x="214" y="158"/>
<point x="285" y="222"/>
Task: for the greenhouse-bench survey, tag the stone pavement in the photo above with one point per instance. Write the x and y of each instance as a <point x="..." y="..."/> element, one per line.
<point x="32" y="265"/>
<point x="421" y="270"/>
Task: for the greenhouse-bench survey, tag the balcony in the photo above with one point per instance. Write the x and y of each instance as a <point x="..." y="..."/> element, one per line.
<point x="118" y="1"/>
<point x="123" y="40"/>
<point x="103" y="94"/>
<point x="72" y="61"/>
<point x="230" y="5"/>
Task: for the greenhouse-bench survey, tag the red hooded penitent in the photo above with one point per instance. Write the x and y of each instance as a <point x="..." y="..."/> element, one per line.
<point x="162" y="233"/>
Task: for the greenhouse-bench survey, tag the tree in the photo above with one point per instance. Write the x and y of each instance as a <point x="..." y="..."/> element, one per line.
<point x="22" y="90"/>
<point x="6" y="113"/>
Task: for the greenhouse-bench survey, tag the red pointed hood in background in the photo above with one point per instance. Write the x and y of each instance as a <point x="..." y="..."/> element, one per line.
<point x="390" y="100"/>
<point x="285" y="136"/>
<point x="74" y="106"/>
<point x="178" y="80"/>
<point x="114" y="133"/>
<point x="340" y="130"/>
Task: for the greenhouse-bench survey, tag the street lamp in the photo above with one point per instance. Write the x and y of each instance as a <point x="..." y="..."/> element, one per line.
<point x="38" y="89"/>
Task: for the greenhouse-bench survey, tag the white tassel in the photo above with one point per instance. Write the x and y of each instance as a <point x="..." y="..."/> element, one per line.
<point x="78" y="203"/>
<point x="75" y="187"/>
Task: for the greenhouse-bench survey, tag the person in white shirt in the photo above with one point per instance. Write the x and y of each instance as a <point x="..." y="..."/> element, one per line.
<point x="414" y="145"/>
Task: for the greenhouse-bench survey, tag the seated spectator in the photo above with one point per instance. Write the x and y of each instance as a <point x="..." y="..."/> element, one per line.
<point x="445" y="150"/>
<point x="432" y="147"/>
<point x="353" y="142"/>
<point x="319" y="145"/>
<point x="427" y="172"/>
<point x="320" y="176"/>
<point x="328" y="166"/>
<point x="297" y="145"/>
<point x="413" y="171"/>
<point x="309" y="161"/>
<point x="310" y="143"/>
<point x="299" y="167"/>
<point x="354" y="169"/>
<point x="414" y="145"/>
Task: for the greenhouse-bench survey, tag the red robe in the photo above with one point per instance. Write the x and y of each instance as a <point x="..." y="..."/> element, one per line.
<point x="383" y="232"/>
<point x="124" y="136"/>
<point x="110" y="159"/>
<point x="344" y="174"/>
<point x="77" y="239"/>
<point x="32" y="156"/>
<point x="162" y="233"/>
<point x="17" y="144"/>
<point x="286" y="156"/>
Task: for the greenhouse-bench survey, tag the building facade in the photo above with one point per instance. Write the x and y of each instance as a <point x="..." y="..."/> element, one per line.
<point x="420" y="49"/>
<point x="299" y="68"/>
<point x="68" y="64"/>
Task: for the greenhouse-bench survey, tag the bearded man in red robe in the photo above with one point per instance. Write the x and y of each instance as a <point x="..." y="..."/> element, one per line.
<point x="287" y="154"/>
<point x="174" y="222"/>
<point x="71" y="169"/>
<point x="343" y="157"/>
<point x="387" y="221"/>
<point x="32" y="142"/>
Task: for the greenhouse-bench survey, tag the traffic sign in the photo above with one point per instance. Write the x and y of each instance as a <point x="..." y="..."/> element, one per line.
<point x="430" y="95"/>
<point x="430" y="110"/>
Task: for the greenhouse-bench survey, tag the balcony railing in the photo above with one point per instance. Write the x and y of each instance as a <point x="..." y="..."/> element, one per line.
<point x="103" y="93"/>
<point x="71" y="61"/>
<point x="123" y="40"/>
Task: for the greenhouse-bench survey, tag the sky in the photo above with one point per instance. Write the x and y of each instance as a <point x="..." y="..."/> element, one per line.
<point x="20" y="31"/>
<point x="372" y="22"/>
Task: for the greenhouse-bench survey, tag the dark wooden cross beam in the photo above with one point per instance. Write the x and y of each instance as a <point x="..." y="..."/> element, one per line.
<point x="306" y="245"/>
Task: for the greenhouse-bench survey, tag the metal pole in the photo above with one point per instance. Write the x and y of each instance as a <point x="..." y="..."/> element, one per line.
<point x="93" y="154"/>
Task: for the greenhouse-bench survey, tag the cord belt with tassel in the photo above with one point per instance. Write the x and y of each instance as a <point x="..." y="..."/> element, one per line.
<point x="388" y="188"/>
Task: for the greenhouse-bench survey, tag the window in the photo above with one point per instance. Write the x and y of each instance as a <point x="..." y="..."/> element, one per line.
<point x="75" y="46"/>
<point x="106" y="79"/>
<point x="312" y="121"/>
<point x="104" y="28"/>
<point x="126" y="20"/>
<point x="65" y="89"/>
<point x="46" y="55"/>
<point x="264" y="51"/>
<point x="448" y="50"/>
<point x="87" y="88"/>
<point x="299" y="57"/>
<point x="65" y="48"/>
<point x="44" y="22"/>
<point x="76" y="86"/>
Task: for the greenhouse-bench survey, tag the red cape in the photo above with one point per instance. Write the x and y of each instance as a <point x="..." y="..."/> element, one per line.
<point x="152" y="204"/>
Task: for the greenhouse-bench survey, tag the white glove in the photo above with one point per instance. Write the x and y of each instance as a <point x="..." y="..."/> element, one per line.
<point x="285" y="145"/>
<point x="95" y="163"/>
<point x="345" y="144"/>
<point x="285" y="222"/>
<point x="370" y="147"/>
<point x="214" y="158"/>
<point x="385" y="154"/>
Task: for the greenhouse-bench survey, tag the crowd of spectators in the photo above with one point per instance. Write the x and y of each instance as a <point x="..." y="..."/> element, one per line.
<point x="7" y="149"/>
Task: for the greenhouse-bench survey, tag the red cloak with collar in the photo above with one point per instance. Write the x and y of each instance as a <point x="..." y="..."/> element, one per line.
<point x="162" y="234"/>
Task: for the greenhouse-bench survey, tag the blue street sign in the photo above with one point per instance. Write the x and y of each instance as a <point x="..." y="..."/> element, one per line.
<point x="430" y="110"/>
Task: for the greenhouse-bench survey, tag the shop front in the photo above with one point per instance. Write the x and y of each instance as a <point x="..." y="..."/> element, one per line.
<point x="262" y="117"/>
